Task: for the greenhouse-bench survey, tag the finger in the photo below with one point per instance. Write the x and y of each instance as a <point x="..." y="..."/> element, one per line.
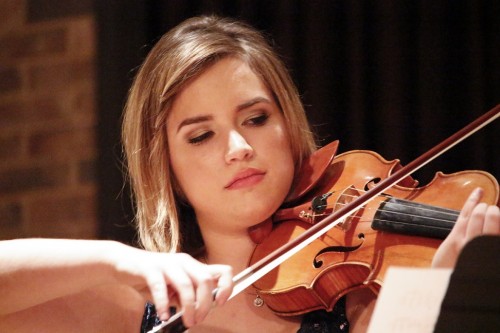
<point x="460" y="227"/>
<point x="205" y="284"/>
<point x="158" y="289"/>
<point x="182" y="283"/>
<point x="224" y="282"/>
<point x="476" y="221"/>
<point x="492" y="221"/>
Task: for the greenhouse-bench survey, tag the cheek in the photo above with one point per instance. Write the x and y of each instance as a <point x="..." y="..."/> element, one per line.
<point x="279" y="148"/>
<point x="281" y="143"/>
<point x="190" y="173"/>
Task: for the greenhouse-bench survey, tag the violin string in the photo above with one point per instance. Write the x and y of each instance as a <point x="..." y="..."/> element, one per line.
<point x="451" y="223"/>
<point x="453" y="214"/>
<point x="404" y="214"/>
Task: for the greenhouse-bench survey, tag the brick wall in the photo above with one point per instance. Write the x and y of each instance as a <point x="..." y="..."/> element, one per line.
<point x="47" y="119"/>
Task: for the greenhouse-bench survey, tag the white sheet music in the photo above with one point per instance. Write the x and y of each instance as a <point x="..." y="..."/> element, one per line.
<point x="410" y="300"/>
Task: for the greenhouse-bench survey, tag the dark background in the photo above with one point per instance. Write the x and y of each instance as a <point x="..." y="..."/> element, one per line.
<point x="396" y="77"/>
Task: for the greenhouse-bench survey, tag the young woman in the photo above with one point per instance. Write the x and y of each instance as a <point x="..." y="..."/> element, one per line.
<point x="214" y="132"/>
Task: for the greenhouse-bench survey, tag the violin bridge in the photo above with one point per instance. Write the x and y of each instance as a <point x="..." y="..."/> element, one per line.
<point x="346" y="196"/>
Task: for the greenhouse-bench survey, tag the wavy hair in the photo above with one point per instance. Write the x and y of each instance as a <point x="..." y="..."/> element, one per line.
<point x="164" y="221"/>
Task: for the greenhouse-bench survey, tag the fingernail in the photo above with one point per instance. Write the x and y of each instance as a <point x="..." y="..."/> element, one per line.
<point x="476" y="194"/>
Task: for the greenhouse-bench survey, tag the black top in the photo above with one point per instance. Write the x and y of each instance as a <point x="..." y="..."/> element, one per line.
<point x="319" y="321"/>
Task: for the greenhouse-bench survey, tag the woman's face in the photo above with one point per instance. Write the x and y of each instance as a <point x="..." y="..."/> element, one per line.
<point x="229" y="147"/>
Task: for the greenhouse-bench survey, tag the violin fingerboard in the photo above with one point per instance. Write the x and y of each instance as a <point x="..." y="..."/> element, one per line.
<point x="413" y="218"/>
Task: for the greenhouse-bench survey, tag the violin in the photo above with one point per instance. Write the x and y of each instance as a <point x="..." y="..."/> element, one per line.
<point x="402" y="226"/>
<point x="348" y="218"/>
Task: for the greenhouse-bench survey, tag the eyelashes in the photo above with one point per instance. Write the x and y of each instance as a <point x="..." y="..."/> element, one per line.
<point x="200" y="138"/>
<point x="254" y="121"/>
<point x="258" y="120"/>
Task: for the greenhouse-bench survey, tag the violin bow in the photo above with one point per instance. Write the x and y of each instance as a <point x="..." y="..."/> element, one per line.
<point x="260" y="268"/>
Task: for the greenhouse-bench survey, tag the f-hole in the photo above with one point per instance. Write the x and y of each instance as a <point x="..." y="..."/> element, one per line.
<point x="342" y="249"/>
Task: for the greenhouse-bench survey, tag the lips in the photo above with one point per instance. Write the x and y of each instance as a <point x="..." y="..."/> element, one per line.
<point x="245" y="178"/>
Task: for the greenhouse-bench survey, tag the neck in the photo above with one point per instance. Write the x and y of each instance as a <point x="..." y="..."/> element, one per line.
<point x="232" y="249"/>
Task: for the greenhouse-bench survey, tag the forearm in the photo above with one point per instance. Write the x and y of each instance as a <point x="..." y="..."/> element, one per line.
<point x="33" y="271"/>
<point x="110" y="308"/>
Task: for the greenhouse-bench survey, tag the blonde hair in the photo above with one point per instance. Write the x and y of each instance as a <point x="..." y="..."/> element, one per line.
<point x="163" y="219"/>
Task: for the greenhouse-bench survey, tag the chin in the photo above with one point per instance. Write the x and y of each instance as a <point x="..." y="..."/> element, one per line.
<point x="260" y="213"/>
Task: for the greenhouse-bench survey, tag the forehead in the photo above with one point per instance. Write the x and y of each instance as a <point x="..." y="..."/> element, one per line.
<point x="228" y="82"/>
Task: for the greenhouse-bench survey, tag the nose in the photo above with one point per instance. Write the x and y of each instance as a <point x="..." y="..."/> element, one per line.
<point x="238" y="148"/>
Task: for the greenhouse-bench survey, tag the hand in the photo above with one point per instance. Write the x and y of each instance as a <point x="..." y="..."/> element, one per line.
<point x="474" y="220"/>
<point x="171" y="277"/>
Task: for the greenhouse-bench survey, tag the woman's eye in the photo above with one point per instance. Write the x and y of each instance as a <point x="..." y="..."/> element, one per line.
<point x="200" y="138"/>
<point x="258" y="120"/>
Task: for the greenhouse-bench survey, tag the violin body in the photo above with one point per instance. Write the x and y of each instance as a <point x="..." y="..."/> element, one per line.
<point x="358" y="250"/>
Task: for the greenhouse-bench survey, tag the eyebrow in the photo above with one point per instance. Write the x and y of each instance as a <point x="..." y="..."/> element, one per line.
<point x="240" y="107"/>
<point x="193" y="120"/>
<point x="252" y="102"/>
